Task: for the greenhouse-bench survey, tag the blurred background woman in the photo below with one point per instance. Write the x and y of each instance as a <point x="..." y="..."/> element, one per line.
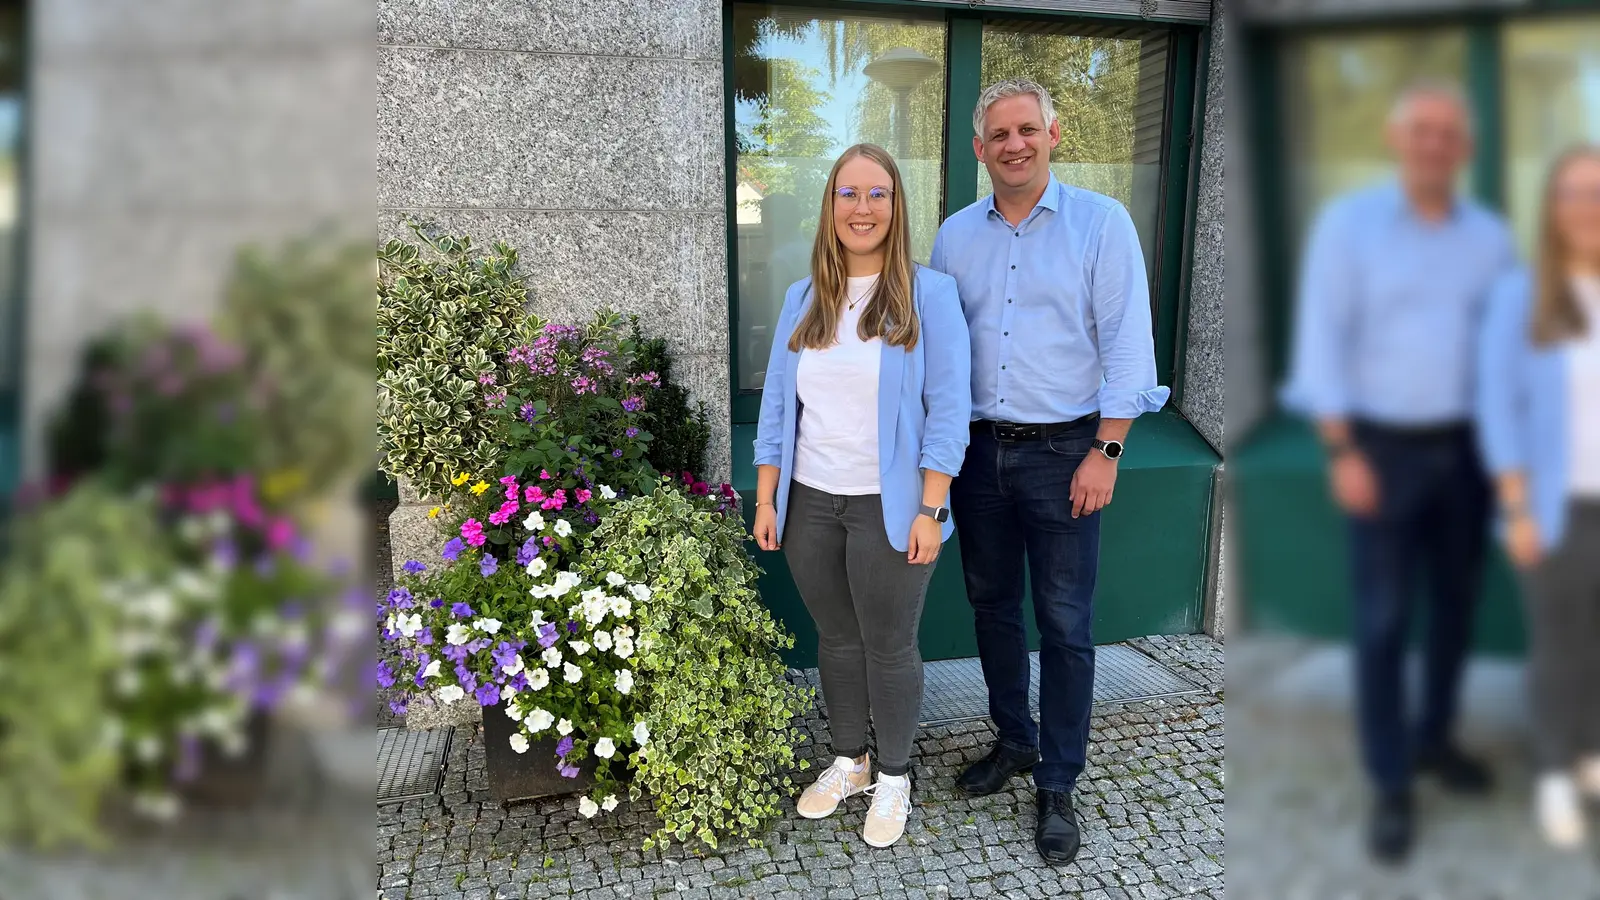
<point x="1539" y="429"/>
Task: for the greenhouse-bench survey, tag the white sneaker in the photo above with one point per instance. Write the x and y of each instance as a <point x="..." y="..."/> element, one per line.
<point x="891" y="804"/>
<point x="838" y="781"/>
<point x="1589" y="776"/>
<point x="1560" y="812"/>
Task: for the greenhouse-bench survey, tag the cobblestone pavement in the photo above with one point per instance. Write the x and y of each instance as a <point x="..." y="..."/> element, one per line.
<point x="1150" y="806"/>
<point x="1299" y="802"/>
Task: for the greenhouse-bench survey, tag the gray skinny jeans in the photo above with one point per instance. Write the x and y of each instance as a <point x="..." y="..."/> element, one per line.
<point x="1562" y="598"/>
<point x="866" y="601"/>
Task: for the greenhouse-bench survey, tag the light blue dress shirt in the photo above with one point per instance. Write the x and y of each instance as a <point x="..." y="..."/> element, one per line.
<point x="1389" y="309"/>
<point x="1523" y="407"/>
<point x="924" y="404"/>
<point x="1058" y="307"/>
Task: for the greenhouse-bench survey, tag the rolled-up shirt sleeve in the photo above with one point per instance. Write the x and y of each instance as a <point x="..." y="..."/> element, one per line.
<point x="1318" y="384"/>
<point x="1120" y="299"/>
<point x="947" y="387"/>
<point x="1502" y="339"/>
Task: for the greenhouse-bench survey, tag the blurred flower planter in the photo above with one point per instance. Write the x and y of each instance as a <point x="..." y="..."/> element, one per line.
<point x="232" y="781"/>
<point x="525" y="776"/>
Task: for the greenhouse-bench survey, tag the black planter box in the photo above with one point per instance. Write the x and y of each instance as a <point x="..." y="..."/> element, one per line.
<point x="525" y="776"/>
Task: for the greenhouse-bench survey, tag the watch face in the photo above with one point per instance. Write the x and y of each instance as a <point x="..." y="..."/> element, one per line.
<point x="1112" y="449"/>
<point x="943" y="516"/>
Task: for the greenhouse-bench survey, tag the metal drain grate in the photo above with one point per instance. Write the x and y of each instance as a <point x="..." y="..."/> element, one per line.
<point x="411" y="763"/>
<point x="954" y="690"/>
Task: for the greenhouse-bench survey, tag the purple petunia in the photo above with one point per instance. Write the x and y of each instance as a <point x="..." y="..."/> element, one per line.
<point x="436" y="602"/>
<point x="456" y="653"/>
<point x="565" y="747"/>
<point x="617" y="453"/>
<point x="400" y="598"/>
<point x="568" y="771"/>
<point x="460" y="609"/>
<point x="547" y="635"/>
<point x="632" y="432"/>
<point x="398" y="707"/>
<point x="487" y="695"/>
<point x="572" y="628"/>
<point x="385" y="674"/>
<point x="412" y="567"/>
<point x="528" y="552"/>
<point x="425" y="637"/>
<point x="469" y="681"/>
<point x="488" y="566"/>
<point x="519" y="681"/>
<point x="505" y="654"/>
<point x="528" y="413"/>
<point x="453" y="549"/>
<point x="633" y="404"/>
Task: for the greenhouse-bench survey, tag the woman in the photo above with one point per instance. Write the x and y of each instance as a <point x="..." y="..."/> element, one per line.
<point x="1539" y="428"/>
<point x="864" y="422"/>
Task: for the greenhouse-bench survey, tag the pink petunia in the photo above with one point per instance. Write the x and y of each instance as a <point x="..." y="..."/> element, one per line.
<point x="280" y="533"/>
<point x="583" y="495"/>
<point x="544" y="474"/>
<point x="533" y="494"/>
<point x="472" y="532"/>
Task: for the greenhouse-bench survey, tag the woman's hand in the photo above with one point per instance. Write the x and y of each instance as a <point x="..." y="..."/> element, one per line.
<point x="926" y="538"/>
<point x="766" y="527"/>
<point x="1522" y="541"/>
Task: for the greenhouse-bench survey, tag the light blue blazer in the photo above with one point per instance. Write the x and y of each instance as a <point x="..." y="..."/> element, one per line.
<point x="1522" y="406"/>
<point x="924" y="402"/>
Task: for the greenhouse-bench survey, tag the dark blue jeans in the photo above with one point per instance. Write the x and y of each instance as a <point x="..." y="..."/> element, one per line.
<point x="1012" y="501"/>
<point x="1430" y="530"/>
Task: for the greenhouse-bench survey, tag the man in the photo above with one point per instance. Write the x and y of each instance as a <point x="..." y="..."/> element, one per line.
<point x="1053" y="285"/>
<point x="1393" y="284"/>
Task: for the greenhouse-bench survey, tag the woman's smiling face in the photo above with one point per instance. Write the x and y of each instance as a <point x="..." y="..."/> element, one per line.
<point x="863" y="206"/>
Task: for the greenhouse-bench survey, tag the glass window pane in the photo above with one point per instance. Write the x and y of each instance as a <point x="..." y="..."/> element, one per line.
<point x="1338" y="90"/>
<point x="1552" y="101"/>
<point x="11" y="63"/>
<point x="1109" y="89"/>
<point x="807" y="85"/>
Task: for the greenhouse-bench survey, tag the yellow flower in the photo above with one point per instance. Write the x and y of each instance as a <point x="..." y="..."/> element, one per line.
<point x="480" y="487"/>
<point x="460" y="479"/>
<point x="282" y="483"/>
<point x="433" y="513"/>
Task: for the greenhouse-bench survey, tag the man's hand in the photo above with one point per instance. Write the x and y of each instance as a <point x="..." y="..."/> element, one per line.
<point x="1522" y="541"/>
<point x="1354" y="484"/>
<point x="1092" y="484"/>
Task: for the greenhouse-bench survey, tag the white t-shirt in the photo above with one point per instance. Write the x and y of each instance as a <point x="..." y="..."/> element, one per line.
<point x="836" y="449"/>
<point x="1583" y="394"/>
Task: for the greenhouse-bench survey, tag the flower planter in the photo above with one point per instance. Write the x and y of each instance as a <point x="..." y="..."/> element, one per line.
<point x="231" y="782"/>
<point x="525" y="776"/>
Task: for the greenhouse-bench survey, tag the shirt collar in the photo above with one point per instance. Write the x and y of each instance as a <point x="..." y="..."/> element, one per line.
<point x="1401" y="205"/>
<point x="1050" y="199"/>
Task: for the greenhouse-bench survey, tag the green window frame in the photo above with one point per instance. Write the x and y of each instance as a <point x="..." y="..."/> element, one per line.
<point x="1178" y="175"/>
<point x="13" y="297"/>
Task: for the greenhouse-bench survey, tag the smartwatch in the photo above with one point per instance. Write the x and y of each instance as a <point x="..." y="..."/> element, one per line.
<point x="1109" y="449"/>
<point x="939" y="514"/>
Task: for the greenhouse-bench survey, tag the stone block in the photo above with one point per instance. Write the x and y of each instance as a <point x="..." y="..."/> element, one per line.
<point x="525" y="131"/>
<point x="412" y="535"/>
<point x="636" y="28"/>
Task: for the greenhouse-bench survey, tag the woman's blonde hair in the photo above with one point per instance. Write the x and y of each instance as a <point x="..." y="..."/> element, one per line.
<point x="890" y="313"/>
<point x="1556" y="314"/>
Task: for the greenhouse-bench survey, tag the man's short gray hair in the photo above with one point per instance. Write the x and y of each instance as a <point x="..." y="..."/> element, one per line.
<point x="1438" y="88"/>
<point x="1012" y="87"/>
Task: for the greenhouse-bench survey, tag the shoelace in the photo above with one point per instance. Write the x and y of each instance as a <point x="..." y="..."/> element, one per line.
<point x="833" y="781"/>
<point x="1058" y="804"/>
<point x="890" y="799"/>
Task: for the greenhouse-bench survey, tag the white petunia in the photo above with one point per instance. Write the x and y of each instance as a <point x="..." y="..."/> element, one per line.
<point x="639" y="592"/>
<point x="605" y="748"/>
<point x="514" y="712"/>
<point x="623" y="647"/>
<point x="552" y="657"/>
<point x="409" y="625"/>
<point x="538" y="720"/>
<point x="579" y="647"/>
<point x="602" y="641"/>
<point x="615" y="580"/>
<point x="563" y="528"/>
<point x="538" y="679"/>
<point x="487" y="626"/>
<point x="507" y="692"/>
<point x="573" y="673"/>
<point x="607" y="493"/>
<point x="519" y="742"/>
<point x="587" y="808"/>
<point x="147" y="748"/>
<point x="515" y="666"/>
<point x="537" y="567"/>
<point x="565" y="581"/>
<point x="537" y="619"/>
<point x="161" y="807"/>
<point x="625" y="681"/>
<point x="621" y="607"/>
<point x="641" y="733"/>
<point x="450" y="693"/>
<point x="432" y="671"/>
<point x="609" y="803"/>
<point x="564" y="727"/>
<point x="534" y="522"/>
<point x="458" y="634"/>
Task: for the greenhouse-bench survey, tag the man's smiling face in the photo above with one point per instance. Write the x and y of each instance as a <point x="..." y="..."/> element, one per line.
<point x="1016" y="143"/>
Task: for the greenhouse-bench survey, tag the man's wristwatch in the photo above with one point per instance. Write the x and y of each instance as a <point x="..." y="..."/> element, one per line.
<point x="1108" y="449"/>
<point x="939" y="514"/>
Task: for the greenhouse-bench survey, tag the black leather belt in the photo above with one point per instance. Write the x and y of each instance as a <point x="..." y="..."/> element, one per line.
<point x="1007" y="432"/>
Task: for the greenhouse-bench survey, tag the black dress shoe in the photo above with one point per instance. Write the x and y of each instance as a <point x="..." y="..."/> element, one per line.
<point x="1456" y="771"/>
<point x="991" y="773"/>
<point x="1056" y="835"/>
<point x="1390" y="840"/>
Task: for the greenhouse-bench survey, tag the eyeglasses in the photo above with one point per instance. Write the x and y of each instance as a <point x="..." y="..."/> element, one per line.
<point x="877" y="197"/>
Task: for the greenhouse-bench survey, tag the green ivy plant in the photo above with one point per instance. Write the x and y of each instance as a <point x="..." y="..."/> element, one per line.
<point x="720" y="712"/>
<point x="445" y="318"/>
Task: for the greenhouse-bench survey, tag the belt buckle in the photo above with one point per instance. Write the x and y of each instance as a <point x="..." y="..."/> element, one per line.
<point x="1003" y="432"/>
